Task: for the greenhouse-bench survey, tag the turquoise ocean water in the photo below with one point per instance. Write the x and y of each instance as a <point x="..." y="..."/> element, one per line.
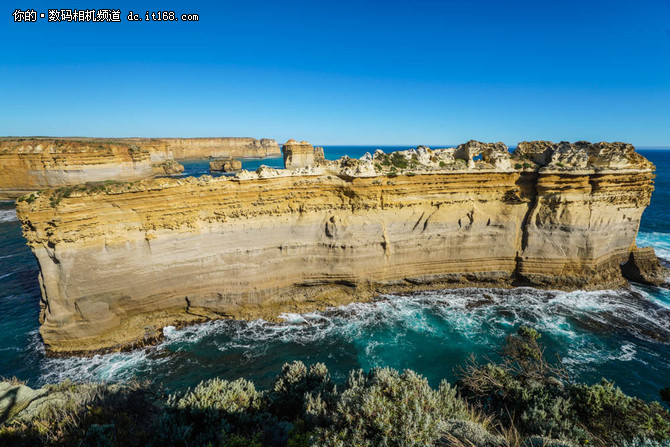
<point x="621" y="335"/>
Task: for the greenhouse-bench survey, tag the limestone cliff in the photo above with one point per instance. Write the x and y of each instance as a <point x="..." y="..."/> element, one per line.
<point x="197" y="148"/>
<point x="30" y="164"/>
<point x="300" y="155"/>
<point x="116" y="265"/>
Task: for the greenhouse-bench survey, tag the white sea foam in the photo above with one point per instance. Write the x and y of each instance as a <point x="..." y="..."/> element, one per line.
<point x="116" y="367"/>
<point x="7" y="216"/>
<point x="660" y="242"/>
<point x="479" y="317"/>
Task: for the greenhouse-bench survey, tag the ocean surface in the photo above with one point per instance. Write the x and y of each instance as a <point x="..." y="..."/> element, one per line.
<point x="620" y="335"/>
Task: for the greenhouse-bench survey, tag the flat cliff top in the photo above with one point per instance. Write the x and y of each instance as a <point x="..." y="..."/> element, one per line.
<point x="10" y="145"/>
<point x="45" y="145"/>
<point x="473" y="157"/>
<point x="485" y="159"/>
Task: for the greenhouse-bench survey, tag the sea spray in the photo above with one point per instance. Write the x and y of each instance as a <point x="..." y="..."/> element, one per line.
<point x="660" y="242"/>
<point x="430" y="332"/>
<point x="7" y="215"/>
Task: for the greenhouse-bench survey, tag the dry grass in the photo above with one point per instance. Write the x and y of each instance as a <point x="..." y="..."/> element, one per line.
<point x="13" y="381"/>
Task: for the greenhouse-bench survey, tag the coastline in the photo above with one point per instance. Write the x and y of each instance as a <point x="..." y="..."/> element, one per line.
<point x="275" y="240"/>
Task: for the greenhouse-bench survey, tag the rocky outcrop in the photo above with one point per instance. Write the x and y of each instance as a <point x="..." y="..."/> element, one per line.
<point x="225" y="165"/>
<point x="582" y="155"/>
<point x="168" y="167"/>
<point x="299" y="155"/>
<point x="116" y="265"/>
<point x="496" y="154"/>
<point x="644" y="267"/>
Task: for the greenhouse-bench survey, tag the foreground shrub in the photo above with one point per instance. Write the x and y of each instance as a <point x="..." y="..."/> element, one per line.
<point x="73" y="415"/>
<point x="301" y="392"/>
<point x="384" y="407"/>
<point x="535" y="397"/>
<point x="210" y="412"/>
<point x="614" y="417"/>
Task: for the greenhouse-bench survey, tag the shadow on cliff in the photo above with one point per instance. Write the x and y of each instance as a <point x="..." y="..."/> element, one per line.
<point x="8" y="401"/>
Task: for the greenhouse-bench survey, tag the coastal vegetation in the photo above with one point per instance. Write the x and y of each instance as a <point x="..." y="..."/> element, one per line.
<point x="523" y="399"/>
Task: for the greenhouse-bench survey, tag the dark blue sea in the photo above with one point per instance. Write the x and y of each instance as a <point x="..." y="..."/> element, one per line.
<point x="620" y="335"/>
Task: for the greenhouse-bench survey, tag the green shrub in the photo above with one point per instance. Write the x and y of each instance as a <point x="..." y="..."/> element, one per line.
<point x="299" y="392"/>
<point x="645" y="443"/>
<point x="97" y="415"/>
<point x="614" y="417"/>
<point x="27" y="198"/>
<point x="384" y="407"/>
<point x="526" y="392"/>
<point x="398" y="160"/>
<point x="209" y="411"/>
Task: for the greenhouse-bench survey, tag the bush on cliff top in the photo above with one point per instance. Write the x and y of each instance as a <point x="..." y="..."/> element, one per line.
<point x="521" y="401"/>
<point x="536" y="397"/>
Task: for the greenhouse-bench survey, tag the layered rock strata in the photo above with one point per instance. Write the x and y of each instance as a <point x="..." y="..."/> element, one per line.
<point x="299" y="155"/>
<point x="119" y="264"/>
<point x="199" y="148"/>
<point x="28" y="164"/>
<point x="644" y="267"/>
<point x="31" y="164"/>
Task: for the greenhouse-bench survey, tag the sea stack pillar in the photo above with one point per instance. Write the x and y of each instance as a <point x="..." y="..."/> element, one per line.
<point x="300" y="155"/>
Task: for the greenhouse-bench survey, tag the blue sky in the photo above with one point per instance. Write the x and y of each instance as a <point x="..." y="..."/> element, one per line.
<point x="344" y="72"/>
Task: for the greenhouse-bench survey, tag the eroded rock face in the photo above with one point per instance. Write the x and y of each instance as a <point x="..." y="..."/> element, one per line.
<point x="168" y="167"/>
<point x="539" y="152"/>
<point x="225" y="165"/>
<point x="220" y="147"/>
<point x="495" y="154"/>
<point x="301" y="155"/>
<point x="644" y="267"/>
<point x="117" y="265"/>
<point x="582" y="155"/>
<point x="30" y="164"/>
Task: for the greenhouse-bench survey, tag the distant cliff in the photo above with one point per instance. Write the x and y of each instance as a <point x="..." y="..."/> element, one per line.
<point x="196" y="148"/>
<point x="30" y="164"/>
<point x="117" y="265"/>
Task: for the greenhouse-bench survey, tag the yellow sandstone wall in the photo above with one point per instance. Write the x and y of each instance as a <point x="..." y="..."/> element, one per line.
<point x="118" y="265"/>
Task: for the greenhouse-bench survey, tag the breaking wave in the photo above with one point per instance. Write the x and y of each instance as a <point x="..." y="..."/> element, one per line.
<point x="8" y="216"/>
<point x="660" y="242"/>
<point x="431" y="332"/>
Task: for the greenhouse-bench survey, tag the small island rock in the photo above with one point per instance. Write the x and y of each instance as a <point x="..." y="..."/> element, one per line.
<point x="225" y="165"/>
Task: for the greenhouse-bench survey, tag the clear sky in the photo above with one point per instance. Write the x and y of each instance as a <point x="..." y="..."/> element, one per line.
<point x="344" y="72"/>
